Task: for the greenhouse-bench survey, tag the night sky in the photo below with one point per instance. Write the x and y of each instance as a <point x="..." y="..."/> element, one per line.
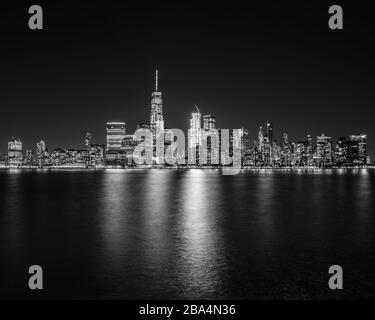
<point x="245" y="64"/>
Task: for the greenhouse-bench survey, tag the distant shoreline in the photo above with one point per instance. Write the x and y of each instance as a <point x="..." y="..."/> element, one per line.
<point x="180" y="168"/>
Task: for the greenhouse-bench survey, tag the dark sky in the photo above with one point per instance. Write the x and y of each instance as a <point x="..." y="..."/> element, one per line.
<point x="246" y="64"/>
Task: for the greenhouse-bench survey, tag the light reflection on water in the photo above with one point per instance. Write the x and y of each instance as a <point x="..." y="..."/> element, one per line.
<point x="189" y="234"/>
<point x="200" y="256"/>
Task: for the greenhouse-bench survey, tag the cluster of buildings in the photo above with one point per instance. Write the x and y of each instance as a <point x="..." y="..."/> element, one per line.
<point x="203" y="133"/>
<point x="319" y="152"/>
<point x="91" y="155"/>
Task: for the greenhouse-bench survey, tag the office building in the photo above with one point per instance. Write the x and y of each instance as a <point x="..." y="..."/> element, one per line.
<point x="324" y="154"/>
<point x="115" y="134"/>
<point x="209" y="122"/>
<point x="15" y="153"/>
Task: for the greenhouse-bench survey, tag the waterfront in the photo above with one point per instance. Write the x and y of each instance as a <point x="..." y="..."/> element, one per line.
<point x="165" y="234"/>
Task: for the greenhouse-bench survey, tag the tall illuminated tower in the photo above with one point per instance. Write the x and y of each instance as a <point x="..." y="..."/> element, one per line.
<point x="324" y="150"/>
<point x="157" y="121"/>
<point x="270" y="132"/>
<point x="195" y="128"/>
<point x="41" y="153"/>
<point x="194" y="136"/>
<point x="358" y="148"/>
<point x="260" y="139"/>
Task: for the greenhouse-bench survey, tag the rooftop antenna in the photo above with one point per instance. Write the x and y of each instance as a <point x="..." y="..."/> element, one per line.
<point x="197" y="108"/>
<point x="156" y="79"/>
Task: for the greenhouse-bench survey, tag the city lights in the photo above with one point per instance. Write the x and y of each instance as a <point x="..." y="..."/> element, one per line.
<point x="207" y="147"/>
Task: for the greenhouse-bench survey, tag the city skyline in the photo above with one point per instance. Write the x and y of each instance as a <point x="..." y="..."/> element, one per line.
<point x="116" y="130"/>
<point x="120" y="145"/>
<point x="199" y="153"/>
<point x="239" y="64"/>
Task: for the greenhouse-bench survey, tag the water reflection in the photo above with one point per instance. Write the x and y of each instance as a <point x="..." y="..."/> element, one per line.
<point x="157" y="200"/>
<point x="194" y="234"/>
<point x="264" y="206"/>
<point x="116" y="204"/>
<point x="11" y="227"/>
<point x="200" y="257"/>
<point x="363" y="195"/>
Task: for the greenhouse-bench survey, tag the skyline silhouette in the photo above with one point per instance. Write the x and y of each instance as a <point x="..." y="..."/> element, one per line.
<point x="243" y="64"/>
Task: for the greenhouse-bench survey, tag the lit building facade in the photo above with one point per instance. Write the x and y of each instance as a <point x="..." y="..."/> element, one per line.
<point x="157" y="122"/>
<point x="286" y="151"/>
<point x="310" y="151"/>
<point x="270" y="131"/>
<point x="96" y="155"/>
<point x="260" y="139"/>
<point x="156" y="119"/>
<point x="129" y="145"/>
<point x="299" y="154"/>
<point x="209" y="122"/>
<point x="324" y="154"/>
<point x="115" y="134"/>
<point x="88" y="140"/>
<point x="195" y="136"/>
<point x="276" y="154"/>
<point x="41" y="153"/>
<point x="358" y="149"/>
<point x="195" y="129"/>
<point x="342" y="152"/>
<point x="29" y="158"/>
<point x="15" y="153"/>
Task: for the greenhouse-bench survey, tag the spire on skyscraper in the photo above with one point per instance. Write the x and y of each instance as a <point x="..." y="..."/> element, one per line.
<point x="156" y="80"/>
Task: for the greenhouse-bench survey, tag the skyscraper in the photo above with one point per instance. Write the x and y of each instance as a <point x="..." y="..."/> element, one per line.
<point x="40" y="153"/>
<point x="210" y="140"/>
<point x="299" y="153"/>
<point x="29" y="157"/>
<point x="88" y="140"/>
<point x="270" y="132"/>
<point x="342" y="152"/>
<point x="14" y="152"/>
<point x="260" y="139"/>
<point x="324" y="154"/>
<point x="157" y="120"/>
<point x="195" y="129"/>
<point x="276" y="154"/>
<point x="209" y="122"/>
<point x="115" y="135"/>
<point x="245" y="147"/>
<point x="310" y="151"/>
<point x="358" y="148"/>
<point x="286" y="150"/>
<point x="129" y="145"/>
<point x="195" y="134"/>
